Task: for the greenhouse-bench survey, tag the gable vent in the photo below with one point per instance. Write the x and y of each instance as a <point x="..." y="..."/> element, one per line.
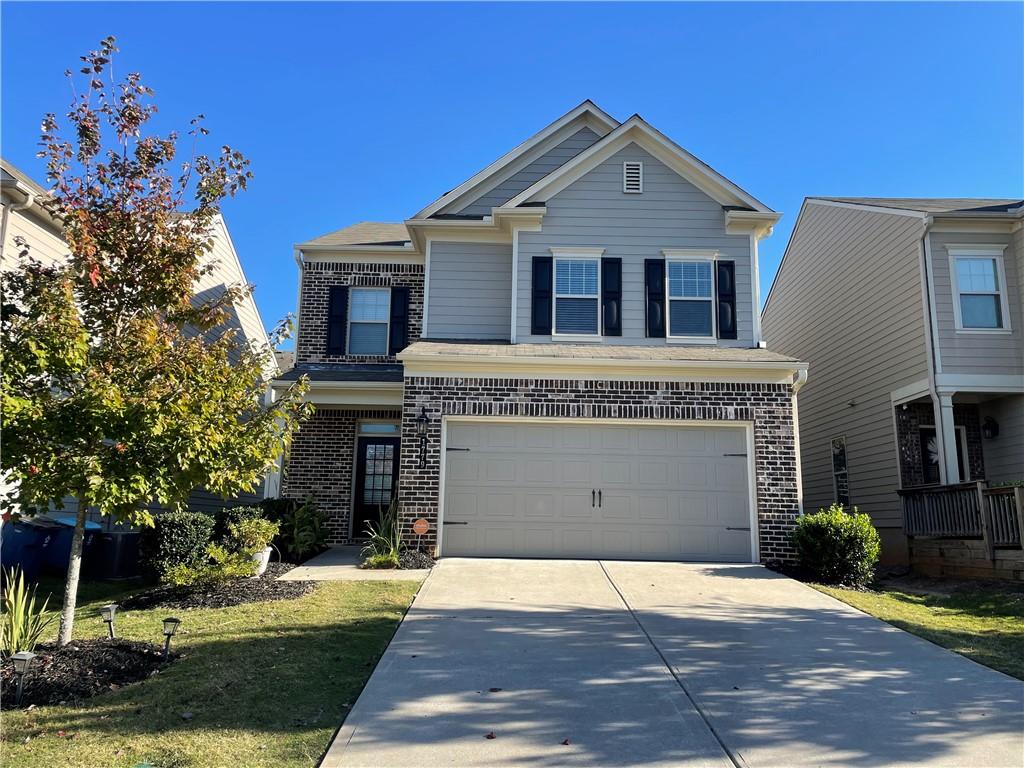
<point x="633" y="177"/>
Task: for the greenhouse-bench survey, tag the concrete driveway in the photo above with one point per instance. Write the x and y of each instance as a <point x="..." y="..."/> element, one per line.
<point x="584" y="663"/>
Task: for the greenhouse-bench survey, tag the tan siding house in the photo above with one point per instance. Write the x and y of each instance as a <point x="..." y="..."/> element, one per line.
<point x="917" y="376"/>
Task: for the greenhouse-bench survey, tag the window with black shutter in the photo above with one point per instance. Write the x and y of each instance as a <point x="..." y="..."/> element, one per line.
<point x="540" y="304"/>
<point x="337" y="319"/>
<point x="611" y="296"/>
<point x="654" y="284"/>
<point x="725" y="285"/>
<point x="399" y="332"/>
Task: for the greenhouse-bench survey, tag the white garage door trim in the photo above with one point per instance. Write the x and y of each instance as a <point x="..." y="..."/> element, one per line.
<point x="747" y="426"/>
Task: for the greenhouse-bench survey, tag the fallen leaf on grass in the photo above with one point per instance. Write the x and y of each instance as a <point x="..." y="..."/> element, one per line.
<point x="490" y="735"/>
<point x="565" y="743"/>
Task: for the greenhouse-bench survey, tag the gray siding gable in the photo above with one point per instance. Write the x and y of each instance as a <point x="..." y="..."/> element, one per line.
<point x="470" y="291"/>
<point x="532" y="173"/>
<point x="671" y="212"/>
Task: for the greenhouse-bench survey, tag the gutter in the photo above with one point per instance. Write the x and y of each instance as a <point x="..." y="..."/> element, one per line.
<point x="28" y="202"/>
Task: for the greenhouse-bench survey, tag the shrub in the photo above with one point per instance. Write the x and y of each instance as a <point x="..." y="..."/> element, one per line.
<point x="381" y="561"/>
<point x="302" y="533"/>
<point x="251" y="536"/>
<point x="176" y="539"/>
<point x="836" y="547"/>
<point x="22" y="624"/>
<point x="384" y="540"/>
<point x="232" y="515"/>
<point x="221" y="564"/>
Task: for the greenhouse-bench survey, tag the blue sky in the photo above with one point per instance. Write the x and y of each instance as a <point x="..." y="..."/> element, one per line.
<point x="355" y="112"/>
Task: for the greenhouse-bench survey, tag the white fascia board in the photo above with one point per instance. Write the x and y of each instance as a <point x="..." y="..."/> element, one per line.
<point x="636" y="130"/>
<point x="594" y="116"/>
<point x="360" y="254"/>
<point x="601" y="369"/>
<point x="951" y="383"/>
<point x="751" y="222"/>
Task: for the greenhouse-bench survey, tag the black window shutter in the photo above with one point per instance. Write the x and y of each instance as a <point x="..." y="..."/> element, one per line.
<point x="654" y="281"/>
<point x="611" y="296"/>
<point x="540" y="314"/>
<point x="337" y="319"/>
<point x="725" y="287"/>
<point x="399" y="339"/>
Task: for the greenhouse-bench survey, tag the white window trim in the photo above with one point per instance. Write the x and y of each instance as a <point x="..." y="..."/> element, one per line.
<point x="574" y="254"/>
<point x="633" y="191"/>
<point x="994" y="252"/>
<point x="682" y="255"/>
<point x="385" y="323"/>
<point x="832" y="470"/>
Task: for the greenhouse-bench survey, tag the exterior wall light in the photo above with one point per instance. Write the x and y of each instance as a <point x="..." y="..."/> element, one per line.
<point x="107" y="613"/>
<point x="990" y="428"/>
<point x="22" y="661"/>
<point x="422" y="422"/>
<point x="170" y="627"/>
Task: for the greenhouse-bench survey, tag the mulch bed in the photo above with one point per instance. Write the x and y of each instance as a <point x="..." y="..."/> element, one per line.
<point x="81" y="669"/>
<point x="238" y="592"/>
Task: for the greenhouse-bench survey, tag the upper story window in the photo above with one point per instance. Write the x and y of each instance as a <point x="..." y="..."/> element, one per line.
<point x="691" y="291"/>
<point x="368" y="315"/>
<point x="577" y="295"/>
<point x="979" y="289"/>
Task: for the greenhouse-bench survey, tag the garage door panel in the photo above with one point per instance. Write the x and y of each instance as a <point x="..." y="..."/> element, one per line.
<point x="668" y="492"/>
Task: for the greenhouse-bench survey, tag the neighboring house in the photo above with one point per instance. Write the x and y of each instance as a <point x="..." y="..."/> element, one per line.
<point x="910" y="313"/>
<point x="24" y="217"/>
<point x="561" y="357"/>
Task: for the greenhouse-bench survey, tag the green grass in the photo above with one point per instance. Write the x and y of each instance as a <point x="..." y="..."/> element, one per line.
<point x="265" y="684"/>
<point x="983" y="624"/>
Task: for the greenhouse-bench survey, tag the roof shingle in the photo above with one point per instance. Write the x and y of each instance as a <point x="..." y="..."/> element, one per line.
<point x="365" y="233"/>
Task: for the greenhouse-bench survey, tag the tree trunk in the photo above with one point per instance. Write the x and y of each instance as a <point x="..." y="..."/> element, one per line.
<point x="67" y="612"/>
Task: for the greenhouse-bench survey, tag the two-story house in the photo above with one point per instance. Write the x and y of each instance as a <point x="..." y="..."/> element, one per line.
<point x="561" y="357"/>
<point x="910" y="312"/>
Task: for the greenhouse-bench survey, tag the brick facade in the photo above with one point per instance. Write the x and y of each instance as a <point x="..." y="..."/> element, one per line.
<point x="320" y="464"/>
<point x="768" y="406"/>
<point x="909" y="420"/>
<point x="317" y="279"/>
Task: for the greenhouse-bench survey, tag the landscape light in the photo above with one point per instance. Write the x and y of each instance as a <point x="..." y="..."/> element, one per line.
<point x="170" y="627"/>
<point x="107" y="613"/>
<point x="22" y="661"/>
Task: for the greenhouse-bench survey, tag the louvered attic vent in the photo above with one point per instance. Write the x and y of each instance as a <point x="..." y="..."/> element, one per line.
<point x="633" y="177"/>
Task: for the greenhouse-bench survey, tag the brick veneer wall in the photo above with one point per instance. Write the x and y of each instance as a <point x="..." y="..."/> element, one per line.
<point x="911" y="452"/>
<point x="768" y="406"/>
<point x="317" y="279"/>
<point x="320" y="464"/>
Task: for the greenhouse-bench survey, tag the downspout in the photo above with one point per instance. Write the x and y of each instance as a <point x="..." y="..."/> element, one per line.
<point x="7" y="211"/>
<point x="931" y="344"/>
<point x="798" y="383"/>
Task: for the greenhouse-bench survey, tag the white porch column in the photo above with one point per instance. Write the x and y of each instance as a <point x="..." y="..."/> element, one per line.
<point x="949" y="465"/>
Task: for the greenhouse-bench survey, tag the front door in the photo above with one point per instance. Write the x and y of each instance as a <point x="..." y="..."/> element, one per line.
<point x="376" y="476"/>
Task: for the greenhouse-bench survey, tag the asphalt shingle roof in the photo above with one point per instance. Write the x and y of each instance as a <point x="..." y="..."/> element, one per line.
<point x="365" y="233"/>
<point x="345" y="372"/>
<point x="598" y="352"/>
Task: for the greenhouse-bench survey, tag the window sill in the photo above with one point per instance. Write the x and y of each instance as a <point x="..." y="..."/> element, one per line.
<point x="576" y="337"/>
<point x="997" y="331"/>
<point x="707" y="340"/>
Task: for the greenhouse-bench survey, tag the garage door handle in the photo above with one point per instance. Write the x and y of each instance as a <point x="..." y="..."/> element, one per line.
<point x="735" y="454"/>
<point x="457" y="449"/>
<point x="593" y="493"/>
<point x="737" y="529"/>
<point x="599" y="498"/>
<point x="455" y="522"/>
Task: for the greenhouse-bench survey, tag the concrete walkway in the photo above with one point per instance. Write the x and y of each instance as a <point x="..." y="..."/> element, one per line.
<point x="583" y="663"/>
<point x="342" y="564"/>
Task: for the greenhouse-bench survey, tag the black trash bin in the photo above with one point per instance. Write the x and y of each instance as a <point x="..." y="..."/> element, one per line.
<point x="25" y="543"/>
<point x="58" y="553"/>
<point x="115" y="555"/>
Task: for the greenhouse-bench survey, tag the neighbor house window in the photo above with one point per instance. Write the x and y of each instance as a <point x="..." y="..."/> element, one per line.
<point x="840" y="475"/>
<point x="369" y="310"/>
<point x="577" y="296"/>
<point x="979" y="289"/>
<point x="691" y="290"/>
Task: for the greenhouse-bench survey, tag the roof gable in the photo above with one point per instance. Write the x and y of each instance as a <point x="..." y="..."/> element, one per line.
<point x="586" y="114"/>
<point x="638" y="131"/>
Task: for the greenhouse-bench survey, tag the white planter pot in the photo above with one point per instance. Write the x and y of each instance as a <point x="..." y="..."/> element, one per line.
<point x="262" y="561"/>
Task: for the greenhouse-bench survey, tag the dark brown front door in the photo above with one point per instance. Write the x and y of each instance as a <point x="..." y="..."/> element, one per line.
<point x="376" y="477"/>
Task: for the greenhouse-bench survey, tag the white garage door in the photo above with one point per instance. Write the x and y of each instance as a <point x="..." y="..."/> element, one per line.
<point x="596" y="490"/>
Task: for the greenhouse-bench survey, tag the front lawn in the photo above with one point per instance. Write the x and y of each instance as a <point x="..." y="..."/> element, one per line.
<point x="980" y="621"/>
<point x="263" y="684"/>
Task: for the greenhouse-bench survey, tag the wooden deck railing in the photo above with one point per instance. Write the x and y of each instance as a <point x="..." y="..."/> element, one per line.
<point x="965" y="511"/>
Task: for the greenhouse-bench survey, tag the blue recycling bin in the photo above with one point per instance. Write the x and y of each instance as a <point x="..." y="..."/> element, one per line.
<point x="25" y="543"/>
<point x="57" y="554"/>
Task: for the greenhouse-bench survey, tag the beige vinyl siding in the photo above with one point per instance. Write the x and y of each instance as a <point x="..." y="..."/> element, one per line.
<point x="45" y="243"/>
<point x="848" y="301"/>
<point x="532" y="173"/>
<point x="1004" y="455"/>
<point x="594" y="212"/>
<point x="973" y="353"/>
<point x="470" y="291"/>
